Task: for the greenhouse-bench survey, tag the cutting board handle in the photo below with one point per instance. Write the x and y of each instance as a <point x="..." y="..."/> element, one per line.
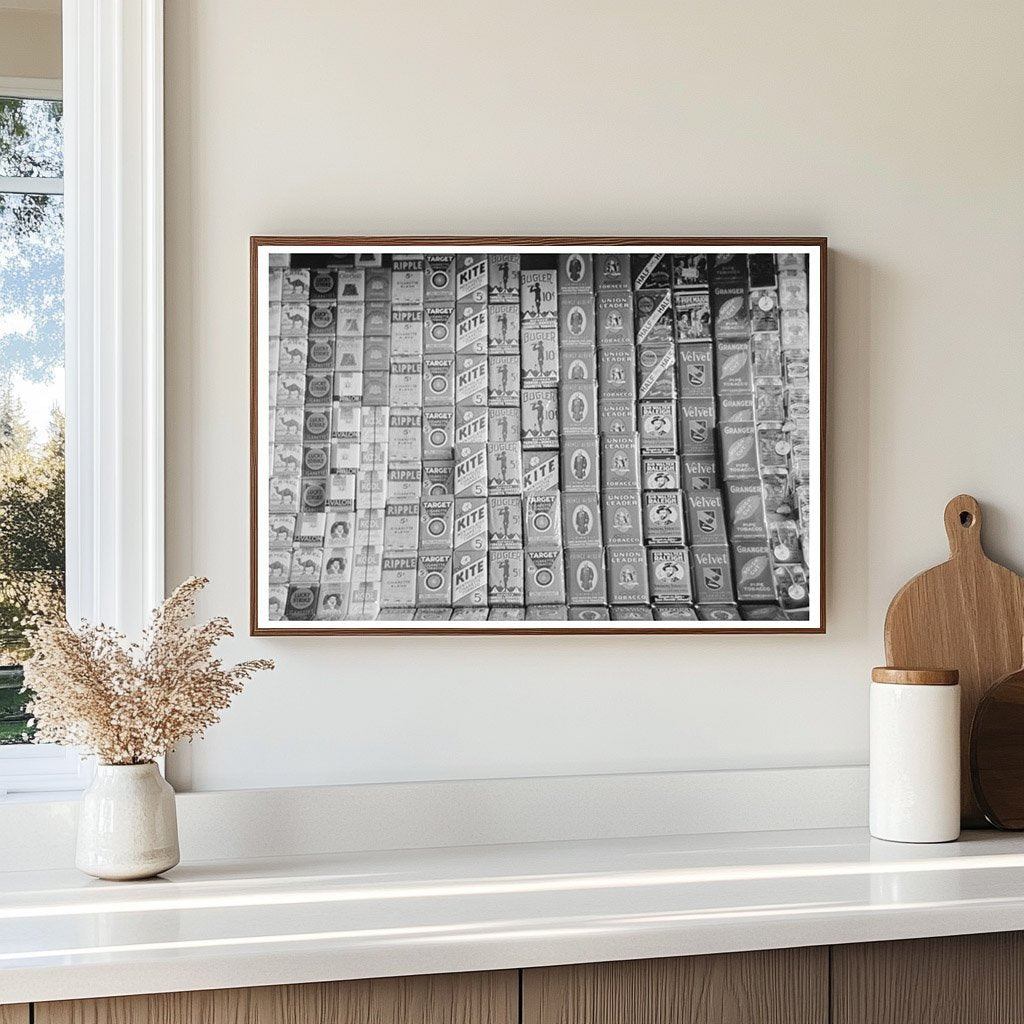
<point x="963" y="527"/>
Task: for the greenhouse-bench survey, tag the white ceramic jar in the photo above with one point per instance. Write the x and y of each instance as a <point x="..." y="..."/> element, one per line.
<point x="915" y="755"/>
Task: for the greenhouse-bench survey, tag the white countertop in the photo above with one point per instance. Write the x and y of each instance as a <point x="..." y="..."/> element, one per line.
<point x="351" y="915"/>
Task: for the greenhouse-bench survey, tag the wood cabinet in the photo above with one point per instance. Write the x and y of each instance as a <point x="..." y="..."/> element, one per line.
<point x="491" y="998"/>
<point x="776" y="986"/>
<point x="14" y="1014"/>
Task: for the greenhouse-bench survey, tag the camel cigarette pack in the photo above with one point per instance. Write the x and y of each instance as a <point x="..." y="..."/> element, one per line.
<point x="616" y="373"/>
<point x="616" y="416"/>
<point x="438" y="380"/>
<point x="294" y="319"/>
<point x="654" y="316"/>
<point x="470" y="524"/>
<point x="621" y="517"/>
<point x="575" y="273"/>
<point x="436" y="524"/>
<point x="744" y="501"/>
<point x="376" y="354"/>
<point x="504" y="467"/>
<point x="376" y="319"/>
<point x="577" y="364"/>
<point x="753" y="569"/>
<point x="291" y="389"/>
<point x="612" y="272"/>
<point x="503" y="277"/>
<point x="405" y="481"/>
<point x="402" y="526"/>
<point x="730" y="312"/>
<point x="503" y="375"/>
<point x="620" y="462"/>
<point x="398" y="581"/>
<point x="660" y="473"/>
<point x="663" y="517"/>
<point x="693" y="315"/>
<point x="282" y="530"/>
<point x="695" y="370"/>
<point x="469" y="578"/>
<point x="712" y="573"/>
<point x="545" y="576"/>
<point x="504" y="521"/>
<point x="287" y="459"/>
<point x="739" y="451"/>
<point x="706" y="517"/>
<point x="505" y="578"/>
<point x="471" y="470"/>
<point x="538" y="300"/>
<point x="295" y="285"/>
<point x="406" y="281"/>
<point x="438" y="432"/>
<point x="613" y="315"/>
<point x="539" y="354"/>
<point x="669" y="573"/>
<point x="280" y="565"/>
<point x="539" y="417"/>
<point x="471" y="379"/>
<point x="434" y="579"/>
<point x="376" y="284"/>
<point x="471" y="424"/>
<point x="576" y="322"/>
<point x="581" y="464"/>
<point x="540" y="470"/>
<point x="406" y="332"/>
<point x="471" y="277"/>
<point x="697" y="426"/>
<point x="585" y="577"/>
<point x="578" y="408"/>
<point x="292" y="354"/>
<point x="658" y="428"/>
<point x="438" y="278"/>
<point x="581" y="519"/>
<point x="627" y="574"/>
<point x="543" y="520"/>
<point x="503" y="328"/>
<point x="439" y="329"/>
<point x="471" y="328"/>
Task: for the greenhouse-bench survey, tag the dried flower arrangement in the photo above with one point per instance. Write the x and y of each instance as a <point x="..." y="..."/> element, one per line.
<point x="130" y="703"/>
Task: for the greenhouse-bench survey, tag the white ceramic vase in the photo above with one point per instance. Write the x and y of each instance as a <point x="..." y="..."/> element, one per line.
<point x="127" y="825"/>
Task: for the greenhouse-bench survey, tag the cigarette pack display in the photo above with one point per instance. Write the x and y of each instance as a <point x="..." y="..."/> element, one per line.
<point x="348" y="355"/>
<point x="295" y="285"/>
<point x="506" y="615"/>
<point x="733" y="368"/>
<point x="728" y="268"/>
<point x="773" y="448"/>
<point x="656" y="375"/>
<point x="280" y="565"/>
<point x="477" y="614"/>
<point x="310" y="529"/>
<point x="504" y="467"/>
<point x="784" y="538"/>
<point x="438" y="380"/>
<point x="373" y="423"/>
<point x="660" y="473"/>
<point x="337" y="567"/>
<point x="469" y="578"/>
<point x="538" y="302"/>
<point x="752" y="566"/>
<point x="620" y="462"/>
<point x="577" y="364"/>
<point x="275" y="284"/>
<point x="539" y="356"/>
<point x="292" y="353"/>
<point x="793" y="289"/>
<point x="616" y="373"/>
<point x="319" y="388"/>
<point x="471" y="328"/>
<point x="658" y="428"/>
<point x="406" y="332"/>
<point x="401" y="525"/>
<point x="316" y="424"/>
<point x="706" y="517"/>
<point x="581" y="519"/>
<point x="332" y="603"/>
<point x="712" y="573"/>
<point x="585" y="613"/>
<point x="291" y="389"/>
<point x="614" y="318"/>
<point x="631" y="613"/>
<point x="503" y="377"/>
<point x="341" y="492"/>
<point x="439" y="432"/>
<point x="735" y="408"/>
<point x="287" y="459"/>
<point x="471" y="470"/>
<point x="690" y="271"/>
<point x="578" y="408"/>
<point x="316" y="459"/>
<point x="767" y="350"/>
<point x="696" y="370"/>
<point x="376" y="284"/>
<point x="274" y="335"/>
<point x="439" y="330"/>
<point x="470" y="524"/>
<point x="307" y="563"/>
<point x="719" y="612"/>
<point x="376" y="353"/>
<point x="405" y="481"/>
<point x="406" y="281"/>
<point x="352" y="285"/>
<point x="651" y="270"/>
<point x="376" y="319"/>
<point x="791" y="585"/>
<point x="540" y="470"/>
<point x="503" y="328"/>
<point x="351" y="319"/>
<point x="505" y="577"/>
<point x="576" y="326"/>
<point x="438" y="477"/>
<point x="729" y="312"/>
<point x="471" y="277"/>
<point x="777" y="489"/>
<point x="744" y="502"/>
<point x="345" y="422"/>
<point x="543" y="520"/>
<point x="545" y="576"/>
<point x="376" y="387"/>
<point x="369" y="527"/>
<point x="797" y="369"/>
<point x="406" y="383"/>
<point x="282" y="530"/>
<point x="398" y="581"/>
<point x="348" y="387"/>
<point x="294" y="319"/>
<point x="739" y="452"/>
<point x="663" y="517"/>
<point x="581" y="470"/>
<point x="432" y="614"/>
<point x="763" y="613"/>
<point x="764" y="309"/>
<point x="621" y="517"/>
<point x="761" y="269"/>
<point x="503" y="277"/>
<point x="586" y="576"/>
<point x="340" y="529"/>
<point x="803" y="502"/>
<point x="797" y="403"/>
<point x="795" y="335"/>
<point x="616" y="417"/>
<point x="655" y="320"/>
<point x="693" y="315"/>
<point x="323" y="320"/>
<point x="434" y="579"/>
<point x="505" y="521"/>
<point x="627" y="574"/>
<point x="371" y="489"/>
<point x="791" y="261"/>
<point x="575" y="273"/>
<point x="612" y="272"/>
<point x="438" y="278"/>
<point x="471" y="379"/>
<point x="669" y="571"/>
<point x="301" y="606"/>
<point x="471" y="424"/>
<point x="675" y="613"/>
<point x="539" y="417"/>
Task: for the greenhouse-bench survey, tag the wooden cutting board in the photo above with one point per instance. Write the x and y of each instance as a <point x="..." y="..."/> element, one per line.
<point x="967" y="614"/>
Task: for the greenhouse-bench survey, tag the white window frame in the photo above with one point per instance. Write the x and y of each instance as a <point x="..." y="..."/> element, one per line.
<point x="114" y="264"/>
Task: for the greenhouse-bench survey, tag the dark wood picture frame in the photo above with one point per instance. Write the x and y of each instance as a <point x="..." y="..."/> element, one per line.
<point x="540" y="627"/>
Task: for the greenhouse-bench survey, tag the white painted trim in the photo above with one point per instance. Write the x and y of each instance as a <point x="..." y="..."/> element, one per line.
<point x="32" y="88"/>
<point x="113" y="83"/>
<point x="244" y="824"/>
<point x="32" y="186"/>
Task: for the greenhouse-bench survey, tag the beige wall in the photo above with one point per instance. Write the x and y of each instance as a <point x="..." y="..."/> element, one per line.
<point x="895" y="129"/>
<point x="30" y="44"/>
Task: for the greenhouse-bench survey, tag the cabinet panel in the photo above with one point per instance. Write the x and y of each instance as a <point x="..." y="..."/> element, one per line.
<point x="962" y="979"/>
<point x="779" y="986"/>
<point x="483" y="998"/>
<point x="14" y="1014"/>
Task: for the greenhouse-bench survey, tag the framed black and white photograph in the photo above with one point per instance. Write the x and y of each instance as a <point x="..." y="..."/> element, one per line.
<point x="537" y="435"/>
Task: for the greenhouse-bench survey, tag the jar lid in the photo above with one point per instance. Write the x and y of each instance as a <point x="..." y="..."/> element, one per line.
<point x="916" y="676"/>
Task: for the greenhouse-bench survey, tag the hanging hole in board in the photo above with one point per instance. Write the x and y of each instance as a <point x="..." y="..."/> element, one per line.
<point x="966" y="519"/>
